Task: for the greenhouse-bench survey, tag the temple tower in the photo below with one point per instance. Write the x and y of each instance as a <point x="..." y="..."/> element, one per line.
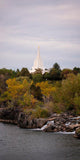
<point x="38" y="62"/>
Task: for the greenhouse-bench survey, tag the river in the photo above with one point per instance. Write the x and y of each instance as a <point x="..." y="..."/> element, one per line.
<point x="23" y="144"/>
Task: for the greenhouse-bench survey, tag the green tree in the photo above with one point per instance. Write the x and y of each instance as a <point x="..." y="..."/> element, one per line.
<point x="76" y="70"/>
<point x="38" y="71"/>
<point x="56" y="66"/>
<point x="36" y="92"/>
<point x="46" y="76"/>
<point x="25" y="72"/>
<point x="55" y="74"/>
<point x="37" y="77"/>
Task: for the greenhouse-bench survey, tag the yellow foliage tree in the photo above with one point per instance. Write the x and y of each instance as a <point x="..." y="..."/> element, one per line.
<point x="46" y="88"/>
<point x="19" y="91"/>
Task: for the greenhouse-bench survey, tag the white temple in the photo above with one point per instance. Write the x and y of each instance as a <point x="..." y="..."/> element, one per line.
<point x="37" y="63"/>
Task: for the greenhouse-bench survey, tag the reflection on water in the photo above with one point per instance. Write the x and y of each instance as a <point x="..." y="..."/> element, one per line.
<point x="23" y="144"/>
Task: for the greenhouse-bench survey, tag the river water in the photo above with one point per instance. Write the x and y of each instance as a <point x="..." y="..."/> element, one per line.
<point x="23" y="144"/>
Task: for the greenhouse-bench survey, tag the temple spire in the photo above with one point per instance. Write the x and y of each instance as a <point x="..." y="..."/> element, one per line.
<point x="38" y="62"/>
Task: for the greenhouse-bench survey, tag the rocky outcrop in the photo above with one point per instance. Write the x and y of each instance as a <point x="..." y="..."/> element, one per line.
<point x="72" y="127"/>
<point x="62" y="122"/>
<point x="25" y="121"/>
<point x="16" y="116"/>
<point x="9" y="115"/>
<point x="49" y="127"/>
<point x="55" y="123"/>
<point x="8" y="121"/>
<point x="77" y="133"/>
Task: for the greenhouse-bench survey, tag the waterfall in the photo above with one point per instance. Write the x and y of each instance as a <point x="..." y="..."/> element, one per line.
<point x="48" y="123"/>
<point x="43" y="127"/>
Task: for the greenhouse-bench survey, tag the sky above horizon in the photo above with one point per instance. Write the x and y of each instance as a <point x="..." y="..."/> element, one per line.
<point x="54" y="25"/>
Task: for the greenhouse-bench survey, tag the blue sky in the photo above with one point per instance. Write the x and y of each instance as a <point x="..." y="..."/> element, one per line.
<point x="54" y="25"/>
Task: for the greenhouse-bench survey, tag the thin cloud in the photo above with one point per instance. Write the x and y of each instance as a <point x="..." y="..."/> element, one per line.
<point x="53" y="25"/>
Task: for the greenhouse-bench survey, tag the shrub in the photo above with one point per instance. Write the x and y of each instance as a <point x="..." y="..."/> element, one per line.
<point x="40" y="113"/>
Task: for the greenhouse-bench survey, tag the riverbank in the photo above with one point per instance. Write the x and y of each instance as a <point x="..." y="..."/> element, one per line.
<point x="64" y="122"/>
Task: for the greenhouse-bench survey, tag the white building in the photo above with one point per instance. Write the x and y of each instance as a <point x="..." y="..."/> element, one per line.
<point x="37" y="63"/>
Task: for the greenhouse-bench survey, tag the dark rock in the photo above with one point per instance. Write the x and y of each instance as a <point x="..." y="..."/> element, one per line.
<point x="9" y="114"/>
<point x="49" y="128"/>
<point x="25" y="121"/>
<point x="41" y="122"/>
<point x="72" y="127"/>
<point x="8" y="121"/>
<point x="77" y="133"/>
<point x="63" y="122"/>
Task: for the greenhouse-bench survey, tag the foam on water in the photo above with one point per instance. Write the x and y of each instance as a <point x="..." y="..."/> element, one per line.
<point x="43" y="127"/>
<point x="66" y="132"/>
<point x="48" y="123"/>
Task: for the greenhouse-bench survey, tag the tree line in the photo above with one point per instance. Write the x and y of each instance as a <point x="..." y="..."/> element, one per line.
<point x="41" y="94"/>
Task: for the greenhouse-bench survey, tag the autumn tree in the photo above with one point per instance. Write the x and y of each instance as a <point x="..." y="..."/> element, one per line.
<point x="18" y="92"/>
<point x="65" y="73"/>
<point x="68" y="94"/>
<point x="46" y="89"/>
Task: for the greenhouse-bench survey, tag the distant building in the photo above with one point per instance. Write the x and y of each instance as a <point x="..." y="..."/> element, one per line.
<point x="37" y="63"/>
